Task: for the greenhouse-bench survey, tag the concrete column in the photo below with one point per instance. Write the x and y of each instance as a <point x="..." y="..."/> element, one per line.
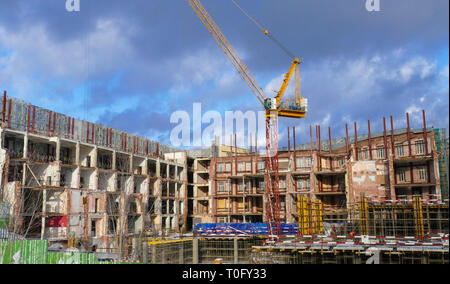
<point x="212" y="206"/>
<point x="158" y="193"/>
<point x="348" y="187"/>
<point x="168" y="171"/>
<point x="195" y="251"/>
<point x="168" y="223"/>
<point x="235" y="251"/>
<point x="312" y="186"/>
<point x="25" y="146"/>
<point x="123" y="217"/>
<point x="158" y="168"/>
<point x="77" y="154"/>
<point x="131" y="186"/>
<point x="114" y="157"/>
<point x="154" y="254"/>
<point x="145" y="252"/>
<point x="94" y="158"/>
<point x="44" y="210"/>
<point x="288" y="201"/>
<point x="58" y="149"/>
<point x="392" y="178"/>
<point x="131" y="163"/>
<point x="434" y="168"/>
<point x="145" y="167"/>
<point x="181" y="254"/>
<point x="2" y="138"/>
<point x="135" y="247"/>
<point x="177" y="195"/>
<point x="163" y="255"/>
<point x="176" y="172"/>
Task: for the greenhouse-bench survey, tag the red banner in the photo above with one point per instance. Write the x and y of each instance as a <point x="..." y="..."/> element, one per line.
<point x="54" y="222"/>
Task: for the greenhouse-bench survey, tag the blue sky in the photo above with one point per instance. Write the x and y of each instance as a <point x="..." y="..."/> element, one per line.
<point x="130" y="64"/>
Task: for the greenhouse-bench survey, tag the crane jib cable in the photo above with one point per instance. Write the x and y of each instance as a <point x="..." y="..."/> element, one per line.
<point x="266" y="32"/>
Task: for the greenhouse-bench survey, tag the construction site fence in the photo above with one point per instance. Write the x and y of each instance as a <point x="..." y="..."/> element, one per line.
<point x="22" y="116"/>
<point x="17" y="251"/>
<point x="36" y="252"/>
<point x="4" y="216"/>
<point x="199" y="250"/>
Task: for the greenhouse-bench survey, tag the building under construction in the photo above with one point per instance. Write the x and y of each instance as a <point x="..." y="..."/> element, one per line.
<point x="390" y="166"/>
<point x="82" y="185"/>
<point x="88" y="187"/>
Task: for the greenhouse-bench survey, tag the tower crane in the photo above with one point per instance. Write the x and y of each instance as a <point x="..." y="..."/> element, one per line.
<point x="274" y="107"/>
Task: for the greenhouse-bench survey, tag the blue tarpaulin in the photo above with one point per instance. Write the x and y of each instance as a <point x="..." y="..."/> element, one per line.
<point x="234" y="229"/>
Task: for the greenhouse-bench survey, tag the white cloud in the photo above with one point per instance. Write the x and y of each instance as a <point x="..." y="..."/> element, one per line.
<point x="362" y="77"/>
<point x="444" y="72"/>
<point x="331" y="85"/>
<point x="370" y="87"/>
<point x="273" y="87"/>
<point x="416" y="66"/>
<point x="412" y="109"/>
<point x="36" y="57"/>
<point x="326" y="120"/>
<point x="376" y="59"/>
<point x="228" y="79"/>
<point x="196" y="69"/>
<point x="415" y="116"/>
<point x="373" y="86"/>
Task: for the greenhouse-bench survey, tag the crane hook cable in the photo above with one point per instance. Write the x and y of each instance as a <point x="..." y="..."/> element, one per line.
<point x="266" y="32"/>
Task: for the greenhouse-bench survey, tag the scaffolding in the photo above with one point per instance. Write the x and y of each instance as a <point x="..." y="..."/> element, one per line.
<point x="415" y="217"/>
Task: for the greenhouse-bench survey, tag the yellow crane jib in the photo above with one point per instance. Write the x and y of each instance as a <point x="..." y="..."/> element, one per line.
<point x="226" y="47"/>
<point x="295" y="108"/>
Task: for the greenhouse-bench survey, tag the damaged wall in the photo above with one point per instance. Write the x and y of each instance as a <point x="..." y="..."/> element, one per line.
<point x="368" y="178"/>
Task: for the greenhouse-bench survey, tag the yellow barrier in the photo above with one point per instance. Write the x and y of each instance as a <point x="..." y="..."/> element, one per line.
<point x="168" y="241"/>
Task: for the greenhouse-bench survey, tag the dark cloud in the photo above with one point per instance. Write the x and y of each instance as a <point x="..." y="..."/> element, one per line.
<point x="150" y="42"/>
<point x="311" y="29"/>
<point x="137" y="120"/>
